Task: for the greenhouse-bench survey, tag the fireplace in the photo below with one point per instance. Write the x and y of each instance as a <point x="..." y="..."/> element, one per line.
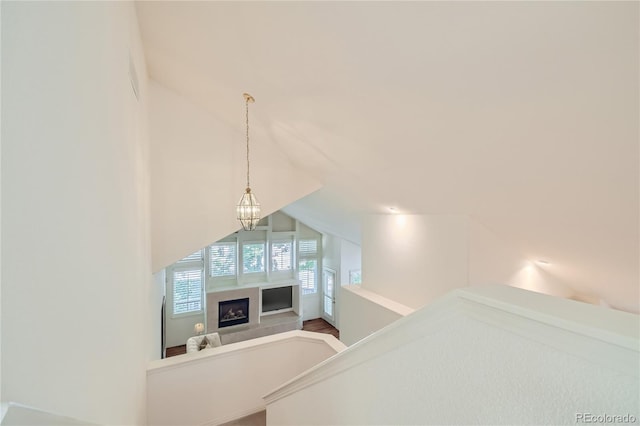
<point x="233" y="312"/>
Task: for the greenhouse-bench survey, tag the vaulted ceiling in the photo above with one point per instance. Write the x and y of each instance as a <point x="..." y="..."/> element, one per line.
<point x="523" y="115"/>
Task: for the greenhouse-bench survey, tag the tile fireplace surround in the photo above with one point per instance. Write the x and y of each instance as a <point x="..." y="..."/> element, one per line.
<point x="214" y="299"/>
<point x="258" y="325"/>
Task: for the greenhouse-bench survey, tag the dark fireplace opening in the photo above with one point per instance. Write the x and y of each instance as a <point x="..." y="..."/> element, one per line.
<point x="233" y="312"/>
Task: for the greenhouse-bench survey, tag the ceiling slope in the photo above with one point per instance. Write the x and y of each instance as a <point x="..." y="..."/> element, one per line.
<point x="522" y="115"/>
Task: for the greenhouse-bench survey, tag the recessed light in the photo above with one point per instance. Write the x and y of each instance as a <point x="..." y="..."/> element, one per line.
<point x="543" y="262"/>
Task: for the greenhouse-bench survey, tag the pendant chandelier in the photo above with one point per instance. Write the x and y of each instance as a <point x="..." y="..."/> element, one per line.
<point x="248" y="209"/>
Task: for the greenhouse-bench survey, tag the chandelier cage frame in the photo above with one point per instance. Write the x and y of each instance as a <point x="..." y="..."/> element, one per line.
<point x="248" y="208"/>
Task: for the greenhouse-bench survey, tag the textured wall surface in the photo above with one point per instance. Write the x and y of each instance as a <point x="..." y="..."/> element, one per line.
<point x="460" y="364"/>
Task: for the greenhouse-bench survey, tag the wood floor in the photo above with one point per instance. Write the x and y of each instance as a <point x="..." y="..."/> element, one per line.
<point x="317" y="325"/>
<point x="176" y="350"/>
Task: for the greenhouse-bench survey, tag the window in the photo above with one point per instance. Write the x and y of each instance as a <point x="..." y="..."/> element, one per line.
<point x="195" y="257"/>
<point x="355" y="276"/>
<point x="308" y="266"/>
<point x="281" y="259"/>
<point x="252" y="257"/>
<point x="188" y="277"/>
<point x="308" y="247"/>
<point x="222" y="260"/>
<point x="246" y="258"/>
<point x="307" y="273"/>
<point x="187" y="291"/>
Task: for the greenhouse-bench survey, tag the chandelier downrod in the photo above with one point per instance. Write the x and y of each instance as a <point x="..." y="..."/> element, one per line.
<point x="247" y="98"/>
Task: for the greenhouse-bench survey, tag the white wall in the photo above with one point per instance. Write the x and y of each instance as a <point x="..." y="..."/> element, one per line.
<point x="1" y="206"/>
<point x="500" y="356"/>
<point x="76" y="264"/>
<point x="351" y="260"/>
<point x="199" y="160"/>
<point x="221" y="384"/>
<point x="413" y="259"/>
<point x="180" y="328"/>
<point x="16" y="414"/>
<point x="493" y="261"/>
<point x="311" y="302"/>
<point x="331" y="257"/>
<point x="310" y="306"/>
<point x="342" y="256"/>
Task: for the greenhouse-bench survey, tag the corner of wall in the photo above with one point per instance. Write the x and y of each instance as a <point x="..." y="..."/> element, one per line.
<point x="413" y="259"/>
<point x="493" y="260"/>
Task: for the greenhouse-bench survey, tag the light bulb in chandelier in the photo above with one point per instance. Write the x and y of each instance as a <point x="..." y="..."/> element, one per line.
<point x="248" y="208"/>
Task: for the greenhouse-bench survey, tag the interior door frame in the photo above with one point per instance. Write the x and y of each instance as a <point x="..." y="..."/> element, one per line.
<point x="331" y="320"/>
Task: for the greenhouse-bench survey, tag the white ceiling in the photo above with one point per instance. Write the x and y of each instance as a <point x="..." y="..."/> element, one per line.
<point x="521" y="115"/>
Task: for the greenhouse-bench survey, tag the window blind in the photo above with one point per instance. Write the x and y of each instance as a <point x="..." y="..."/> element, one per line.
<point x="223" y="259"/>
<point x="308" y="247"/>
<point x="281" y="259"/>
<point x="307" y="274"/>
<point x="187" y="291"/>
<point x="194" y="257"/>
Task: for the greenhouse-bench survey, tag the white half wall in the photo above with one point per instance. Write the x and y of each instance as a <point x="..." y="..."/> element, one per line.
<point x="221" y="384"/>
<point x="482" y="355"/>
<point x="76" y="277"/>
<point x="363" y="313"/>
<point x="198" y="173"/>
